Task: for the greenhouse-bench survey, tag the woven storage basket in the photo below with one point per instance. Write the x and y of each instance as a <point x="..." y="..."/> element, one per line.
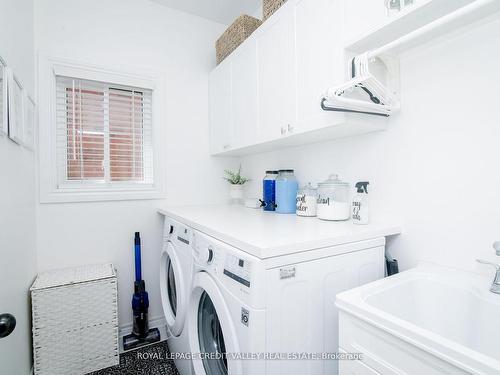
<point x="75" y="320"/>
<point x="235" y="34"/>
<point x="271" y="6"/>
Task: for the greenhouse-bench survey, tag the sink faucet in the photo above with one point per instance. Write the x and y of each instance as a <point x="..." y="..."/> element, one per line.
<point x="495" y="286"/>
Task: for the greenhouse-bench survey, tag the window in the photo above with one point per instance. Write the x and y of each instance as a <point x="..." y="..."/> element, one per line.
<point x="104" y="133"/>
<point x="99" y="134"/>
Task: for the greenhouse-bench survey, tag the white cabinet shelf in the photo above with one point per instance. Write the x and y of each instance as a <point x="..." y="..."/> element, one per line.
<point x="381" y="30"/>
<point x="267" y="94"/>
<point x="345" y="126"/>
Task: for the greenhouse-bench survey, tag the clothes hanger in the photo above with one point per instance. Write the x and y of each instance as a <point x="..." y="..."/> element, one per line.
<point x="382" y="102"/>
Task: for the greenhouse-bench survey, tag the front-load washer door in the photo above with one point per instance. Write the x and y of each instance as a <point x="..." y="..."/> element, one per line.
<point x="211" y="330"/>
<point x="173" y="290"/>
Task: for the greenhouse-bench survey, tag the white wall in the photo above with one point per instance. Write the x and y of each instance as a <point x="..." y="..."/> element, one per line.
<point x="143" y="34"/>
<point x="436" y="168"/>
<point x="17" y="197"/>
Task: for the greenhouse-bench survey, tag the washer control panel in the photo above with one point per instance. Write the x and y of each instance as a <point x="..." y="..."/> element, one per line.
<point x="238" y="269"/>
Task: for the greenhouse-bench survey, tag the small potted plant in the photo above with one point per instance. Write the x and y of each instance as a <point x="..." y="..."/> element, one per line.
<point x="236" y="182"/>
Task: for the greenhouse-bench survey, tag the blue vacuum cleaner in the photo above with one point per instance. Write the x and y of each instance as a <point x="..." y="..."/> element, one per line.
<point x="141" y="334"/>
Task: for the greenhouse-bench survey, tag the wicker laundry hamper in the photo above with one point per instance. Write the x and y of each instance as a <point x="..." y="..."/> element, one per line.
<point x="75" y="320"/>
<point x="235" y="34"/>
<point x="271" y="6"/>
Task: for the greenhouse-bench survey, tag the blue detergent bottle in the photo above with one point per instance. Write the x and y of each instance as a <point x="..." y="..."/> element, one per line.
<point x="269" y="191"/>
<point x="286" y="192"/>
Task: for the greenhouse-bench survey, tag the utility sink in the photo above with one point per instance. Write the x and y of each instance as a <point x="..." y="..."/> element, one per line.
<point x="430" y="318"/>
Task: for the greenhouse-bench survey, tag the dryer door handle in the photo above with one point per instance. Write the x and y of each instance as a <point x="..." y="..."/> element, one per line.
<point x="210" y="256"/>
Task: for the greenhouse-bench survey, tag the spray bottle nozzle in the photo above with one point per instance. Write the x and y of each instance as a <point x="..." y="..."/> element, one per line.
<point x="362" y="187"/>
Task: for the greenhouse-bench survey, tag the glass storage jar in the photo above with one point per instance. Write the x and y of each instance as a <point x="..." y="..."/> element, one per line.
<point x="286" y="192"/>
<point x="306" y="201"/>
<point x="269" y="191"/>
<point x="333" y="199"/>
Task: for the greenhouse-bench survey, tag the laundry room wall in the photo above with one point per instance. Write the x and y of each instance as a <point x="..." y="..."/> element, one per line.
<point x="143" y="34"/>
<point x="435" y="170"/>
<point x="17" y="196"/>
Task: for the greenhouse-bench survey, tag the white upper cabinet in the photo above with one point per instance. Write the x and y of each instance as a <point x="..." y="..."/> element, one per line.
<point x="267" y="93"/>
<point x="245" y="94"/>
<point x="362" y="16"/>
<point x="221" y="133"/>
<point x="319" y="60"/>
<point x="276" y="69"/>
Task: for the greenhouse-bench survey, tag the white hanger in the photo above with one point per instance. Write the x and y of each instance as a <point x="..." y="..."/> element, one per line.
<point x="381" y="101"/>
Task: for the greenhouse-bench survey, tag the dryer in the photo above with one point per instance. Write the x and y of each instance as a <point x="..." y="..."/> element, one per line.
<point x="226" y="316"/>
<point x="176" y="273"/>
<point x="251" y="316"/>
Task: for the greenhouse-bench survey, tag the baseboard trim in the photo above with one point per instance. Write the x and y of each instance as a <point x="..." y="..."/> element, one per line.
<point x="156" y="322"/>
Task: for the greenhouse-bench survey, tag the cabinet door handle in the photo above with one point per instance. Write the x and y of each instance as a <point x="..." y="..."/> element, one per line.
<point x="290" y="128"/>
<point x="283" y="130"/>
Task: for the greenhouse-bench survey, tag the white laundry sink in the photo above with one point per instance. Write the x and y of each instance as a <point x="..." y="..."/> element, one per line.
<point x="429" y="318"/>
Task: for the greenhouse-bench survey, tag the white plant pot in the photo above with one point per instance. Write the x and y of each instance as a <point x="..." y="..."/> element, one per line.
<point x="236" y="194"/>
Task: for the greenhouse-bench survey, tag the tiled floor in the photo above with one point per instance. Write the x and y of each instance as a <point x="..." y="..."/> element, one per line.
<point x="131" y="362"/>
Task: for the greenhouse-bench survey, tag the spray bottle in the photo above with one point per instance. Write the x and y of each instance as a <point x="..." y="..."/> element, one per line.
<point x="360" y="207"/>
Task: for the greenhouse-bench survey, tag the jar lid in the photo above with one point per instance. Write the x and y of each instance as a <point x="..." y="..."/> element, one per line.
<point x="286" y="170"/>
<point x="333" y="180"/>
<point x="272" y="172"/>
<point x="308" y="188"/>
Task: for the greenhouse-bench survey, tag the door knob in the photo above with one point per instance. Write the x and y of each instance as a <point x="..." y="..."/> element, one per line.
<point x="7" y="324"/>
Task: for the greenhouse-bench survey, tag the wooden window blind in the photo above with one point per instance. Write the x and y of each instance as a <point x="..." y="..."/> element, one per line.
<point x="104" y="134"/>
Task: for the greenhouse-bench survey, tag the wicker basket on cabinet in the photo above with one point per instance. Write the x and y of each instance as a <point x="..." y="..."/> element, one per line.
<point x="271" y="6"/>
<point x="75" y="320"/>
<point x="235" y="34"/>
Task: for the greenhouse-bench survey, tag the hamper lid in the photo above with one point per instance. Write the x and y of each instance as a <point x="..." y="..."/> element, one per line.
<point x="74" y="275"/>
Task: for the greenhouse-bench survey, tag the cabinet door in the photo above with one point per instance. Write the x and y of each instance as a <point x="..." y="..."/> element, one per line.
<point x="361" y="16"/>
<point x="301" y="316"/>
<point x="221" y="132"/>
<point x="245" y="94"/>
<point x="319" y="59"/>
<point x="276" y="64"/>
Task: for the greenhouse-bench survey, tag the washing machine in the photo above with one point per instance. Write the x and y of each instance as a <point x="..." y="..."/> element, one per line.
<point x="272" y="316"/>
<point x="176" y="273"/>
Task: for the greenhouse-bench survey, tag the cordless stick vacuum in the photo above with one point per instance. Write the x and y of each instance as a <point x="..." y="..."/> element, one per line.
<point x="140" y="335"/>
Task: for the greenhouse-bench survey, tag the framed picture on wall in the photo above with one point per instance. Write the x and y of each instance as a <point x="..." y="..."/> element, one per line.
<point x="3" y="98"/>
<point x="29" y="122"/>
<point x="16" y="113"/>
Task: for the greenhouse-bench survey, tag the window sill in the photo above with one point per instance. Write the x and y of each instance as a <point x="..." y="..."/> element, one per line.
<point x="70" y="195"/>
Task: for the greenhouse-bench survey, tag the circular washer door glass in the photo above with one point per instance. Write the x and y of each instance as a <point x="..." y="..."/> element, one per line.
<point x="211" y="338"/>
<point x="172" y="290"/>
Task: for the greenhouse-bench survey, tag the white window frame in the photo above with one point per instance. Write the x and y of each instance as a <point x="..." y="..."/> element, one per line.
<point x="50" y="192"/>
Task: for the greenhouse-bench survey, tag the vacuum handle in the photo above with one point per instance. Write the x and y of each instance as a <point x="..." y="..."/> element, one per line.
<point x="138" y="267"/>
<point x="7" y="325"/>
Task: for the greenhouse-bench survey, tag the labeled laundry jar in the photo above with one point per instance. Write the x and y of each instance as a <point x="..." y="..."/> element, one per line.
<point x="333" y="199"/>
<point x="286" y="192"/>
<point x="306" y="201"/>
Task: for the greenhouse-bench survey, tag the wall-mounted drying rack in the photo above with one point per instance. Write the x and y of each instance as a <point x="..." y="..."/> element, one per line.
<point x="380" y="100"/>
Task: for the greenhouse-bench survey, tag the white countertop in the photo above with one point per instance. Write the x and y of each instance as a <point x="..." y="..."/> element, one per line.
<point x="268" y="234"/>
